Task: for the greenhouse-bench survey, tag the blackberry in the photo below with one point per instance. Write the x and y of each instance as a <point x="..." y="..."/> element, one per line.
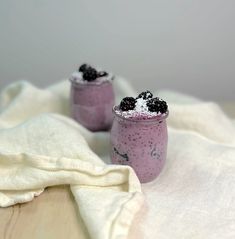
<point x="83" y="67"/>
<point x="102" y="73"/>
<point x="157" y="105"/>
<point x="90" y="74"/>
<point x="145" y="95"/>
<point x="127" y="103"/>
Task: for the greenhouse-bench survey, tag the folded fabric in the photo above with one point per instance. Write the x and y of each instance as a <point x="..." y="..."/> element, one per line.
<point x="39" y="149"/>
<point x="193" y="197"/>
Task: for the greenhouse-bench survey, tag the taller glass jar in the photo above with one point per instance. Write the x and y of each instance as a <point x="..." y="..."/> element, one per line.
<point x="141" y="144"/>
<point x="91" y="104"/>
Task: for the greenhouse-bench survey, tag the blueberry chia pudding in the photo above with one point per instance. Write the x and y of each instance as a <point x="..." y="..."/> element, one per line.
<point x="92" y="97"/>
<point x="139" y="135"/>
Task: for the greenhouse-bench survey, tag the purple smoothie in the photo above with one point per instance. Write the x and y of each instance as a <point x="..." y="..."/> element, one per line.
<point x="92" y="102"/>
<point x="139" y="139"/>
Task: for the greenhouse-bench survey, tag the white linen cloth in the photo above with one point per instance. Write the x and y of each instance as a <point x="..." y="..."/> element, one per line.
<point x="194" y="196"/>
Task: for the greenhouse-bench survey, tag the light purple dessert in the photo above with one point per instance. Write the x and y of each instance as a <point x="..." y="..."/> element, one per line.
<point x="139" y="135"/>
<point x="92" y="98"/>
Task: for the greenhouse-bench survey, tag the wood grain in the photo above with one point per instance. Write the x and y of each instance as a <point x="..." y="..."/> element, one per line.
<point x="52" y="215"/>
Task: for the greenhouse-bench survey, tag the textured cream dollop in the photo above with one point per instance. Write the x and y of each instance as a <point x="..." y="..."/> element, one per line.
<point x="139" y="112"/>
<point x="78" y="78"/>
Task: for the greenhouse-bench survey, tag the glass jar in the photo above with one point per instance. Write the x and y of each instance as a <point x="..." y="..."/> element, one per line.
<point x="141" y="144"/>
<point x="91" y="104"/>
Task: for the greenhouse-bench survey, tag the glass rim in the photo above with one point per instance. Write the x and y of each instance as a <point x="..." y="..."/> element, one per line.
<point x="89" y="83"/>
<point x="148" y="120"/>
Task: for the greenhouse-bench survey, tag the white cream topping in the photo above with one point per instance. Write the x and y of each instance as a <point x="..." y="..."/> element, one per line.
<point x="140" y="110"/>
<point x="78" y="77"/>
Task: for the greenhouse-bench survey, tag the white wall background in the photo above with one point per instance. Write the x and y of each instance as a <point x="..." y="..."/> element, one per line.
<point x="187" y="45"/>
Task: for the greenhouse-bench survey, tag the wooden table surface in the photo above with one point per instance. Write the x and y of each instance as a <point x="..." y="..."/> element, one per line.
<point x="52" y="215"/>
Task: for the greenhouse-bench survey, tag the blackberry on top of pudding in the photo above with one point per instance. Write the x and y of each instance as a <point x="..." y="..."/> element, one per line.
<point x="92" y="97"/>
<point x="86" y="73"/>
<point x="139" y="135"/>
<point x="144" y="106"/>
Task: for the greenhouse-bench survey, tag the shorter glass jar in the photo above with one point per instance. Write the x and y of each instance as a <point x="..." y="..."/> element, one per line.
<point x="91" y="104"/>
<point x="141" y="144"/>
